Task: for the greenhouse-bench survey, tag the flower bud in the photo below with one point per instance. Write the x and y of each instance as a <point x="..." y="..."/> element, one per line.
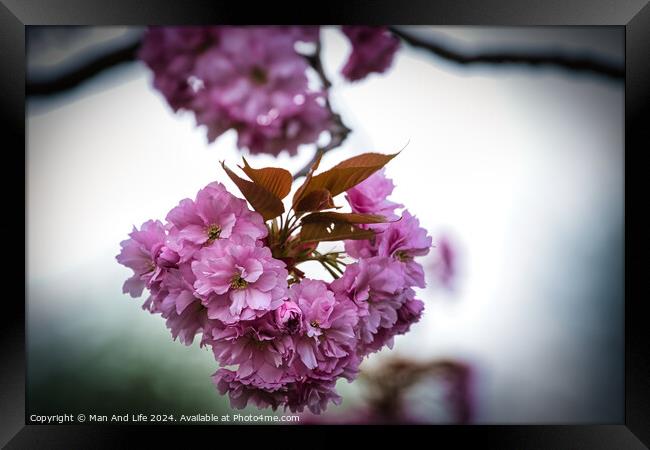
<point x="289" y="317"/>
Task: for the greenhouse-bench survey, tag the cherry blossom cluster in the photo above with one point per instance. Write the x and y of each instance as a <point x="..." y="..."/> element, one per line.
<point x="253" y="79"/>
<point x="281" y="340"/>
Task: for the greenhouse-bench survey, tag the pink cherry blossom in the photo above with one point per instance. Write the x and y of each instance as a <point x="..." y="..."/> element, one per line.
<point x="243" y="391"/>
<point x="140" y="253"/>
<point x="187" y="323"/>
<point x="259" y="349"/>
<point x="406" y="310"/>
<point x="402" y="240"/>
<point x="211" y="273"/>
<point x="373" y="49"/>
<point x="250" y="79"/>
<point x="215" y="214"/>
<point x="445" y="267"/>
<point x="313" y="394"/>
<point x="174" y="299"/>
<point x="370" y="196"/>
<point x="376" y="285"/>
<point x="170" y="52"/>
<point x="238" y="280"/>
<point x="288" y="318"/>
<point x="329" y="337"/>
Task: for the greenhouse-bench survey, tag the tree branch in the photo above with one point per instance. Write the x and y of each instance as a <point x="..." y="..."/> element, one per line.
<point x="575" y="64"/>
<point x="125" y="54"/>
<point x="339" y="131"/>
<point x="75" y="77"/>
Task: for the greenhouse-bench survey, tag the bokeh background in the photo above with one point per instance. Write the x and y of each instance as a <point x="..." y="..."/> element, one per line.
<point x="520" y="168"/>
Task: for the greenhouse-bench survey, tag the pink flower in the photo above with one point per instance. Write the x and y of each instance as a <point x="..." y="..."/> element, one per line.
<point x="140" y="254"/>
<point x="216" y="214"/>
<point x="266" y="376"/>
<point x="313" y="394"/>
<point x="256" y="83"/>
<point x="281" y="362"/>
<point x="402" y="240"/>
<point x="243" y="391"/>
<point x="309" y="393"/>
<point x="173" y="292"/>
<point x="373" y="49"/>
<point x="247" y="78"/>
<point x="238" y="280"/>
<point x="187" y="323"/>
<point x="210" y="273"/>
<point x="406" y="310"/>
<point x="328" y="325"/>
<point x="369" y="276"/>
<point x="377" y="287"/>
<point x="173" y="298"/>
<point x="286" y="125"/>
<point x="170" y="52"/>
<point x="444" y="267"/>
<point x="288" y="318"/>
<point x="409" y="313"/>
<point x="261" y="352"/>
<point x="370" y="196"/>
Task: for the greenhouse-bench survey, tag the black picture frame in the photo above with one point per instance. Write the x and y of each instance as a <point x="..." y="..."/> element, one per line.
<point x="634" y="15"/>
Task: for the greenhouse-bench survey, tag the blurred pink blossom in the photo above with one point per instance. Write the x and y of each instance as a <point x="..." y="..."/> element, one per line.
<point x="373" y="49"/>
<point x="250" y="79"/>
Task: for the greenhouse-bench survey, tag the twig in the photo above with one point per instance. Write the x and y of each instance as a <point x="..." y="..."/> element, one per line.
<point x="575" y="64"/>
<point x="390" y="382"/>
<point x="125" y="54"/>
<point x="339" y="131"/>
<point x="75" y="77"/>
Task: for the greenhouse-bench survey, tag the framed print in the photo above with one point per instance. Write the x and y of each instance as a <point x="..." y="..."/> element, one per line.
<point x="366" y="216"/>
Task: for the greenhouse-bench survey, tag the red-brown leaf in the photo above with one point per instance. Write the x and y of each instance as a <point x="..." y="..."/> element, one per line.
<point x="329" y="217"/>
<point x="275" y="180"/>
<point x="262" y="201"/>
<point x="301" y="190"/>
<point x="344" y="175"/>
<point x="332" y="231"/>
<point x="315" y="201"/>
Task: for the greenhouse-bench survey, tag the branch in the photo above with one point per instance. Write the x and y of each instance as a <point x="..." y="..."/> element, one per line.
<point x="75" y="77"/>
<point x="575" y="64"/>
<point x="339" y="131"/>
<point x="391" y="381"/>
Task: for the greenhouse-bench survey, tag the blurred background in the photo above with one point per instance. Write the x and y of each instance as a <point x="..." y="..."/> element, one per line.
<point x="516" y="169"/>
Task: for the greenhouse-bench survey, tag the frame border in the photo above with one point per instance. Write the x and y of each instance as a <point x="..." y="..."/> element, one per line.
<point x="633" y="14"/>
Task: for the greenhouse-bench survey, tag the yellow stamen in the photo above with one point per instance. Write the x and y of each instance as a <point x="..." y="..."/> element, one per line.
<point x="213" y="233"/>
<point x="238" y="282"/>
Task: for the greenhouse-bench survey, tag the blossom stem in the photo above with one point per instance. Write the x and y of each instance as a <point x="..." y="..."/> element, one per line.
<point x="331" y="272"/>
<point x="285" y="229"/>
<point x="294" y="228"/>
<point x="330" y="264"/>
<point x="335" y="267"/>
